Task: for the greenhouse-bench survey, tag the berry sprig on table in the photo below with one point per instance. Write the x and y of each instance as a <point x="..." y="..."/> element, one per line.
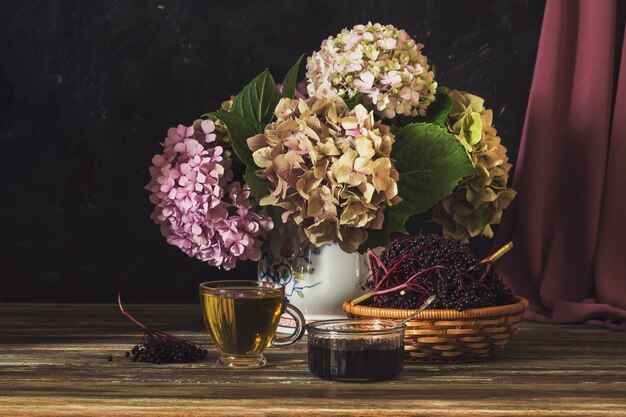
<point x="160" y="347"/>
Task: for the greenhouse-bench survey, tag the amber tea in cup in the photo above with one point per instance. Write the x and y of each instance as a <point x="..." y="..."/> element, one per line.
<point x="242" y="317"/>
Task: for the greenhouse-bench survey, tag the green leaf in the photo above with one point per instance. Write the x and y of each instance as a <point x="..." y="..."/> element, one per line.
<point x="258" y="186"/>
<point x="239" y="130"/>
<point x="300" y="293"/>
<point x="258" y="99"/>
<point x="354" y="100"/>
<point x="291" y="79"/>
<point x="431" y="163"/>
<point x="436" y="113"/>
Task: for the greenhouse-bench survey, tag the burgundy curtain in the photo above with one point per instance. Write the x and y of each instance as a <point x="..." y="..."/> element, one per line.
<point x="568" y="221"/>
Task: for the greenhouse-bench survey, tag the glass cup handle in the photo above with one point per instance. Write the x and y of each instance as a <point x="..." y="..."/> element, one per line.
<point x="298" y="332"/>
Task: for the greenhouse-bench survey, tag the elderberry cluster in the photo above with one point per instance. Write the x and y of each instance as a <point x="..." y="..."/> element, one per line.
<point x="455" y="285"/>
<point x="162" y="348"/>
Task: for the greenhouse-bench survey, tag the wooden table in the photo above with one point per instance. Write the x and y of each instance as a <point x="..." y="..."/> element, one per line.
<point x="53" y="361"/>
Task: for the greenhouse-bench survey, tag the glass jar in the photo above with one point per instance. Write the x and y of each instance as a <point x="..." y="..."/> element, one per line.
<point x="356" y="350"/>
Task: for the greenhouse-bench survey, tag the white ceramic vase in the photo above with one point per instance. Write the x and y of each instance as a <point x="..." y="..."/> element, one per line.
<point x="316" y="280"/>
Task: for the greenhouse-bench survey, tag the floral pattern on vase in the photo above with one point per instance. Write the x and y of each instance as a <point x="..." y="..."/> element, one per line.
<point x="316" y="280"/>
<point x="289" y="267"/>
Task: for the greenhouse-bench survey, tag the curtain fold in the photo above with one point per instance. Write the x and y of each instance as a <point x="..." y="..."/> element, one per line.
<point x="567" y="220"/>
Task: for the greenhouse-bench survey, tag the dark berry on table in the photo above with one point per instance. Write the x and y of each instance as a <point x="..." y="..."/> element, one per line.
<point x="159" y="347"/>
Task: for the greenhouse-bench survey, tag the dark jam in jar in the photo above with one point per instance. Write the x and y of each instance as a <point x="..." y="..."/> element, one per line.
<point x="367" y="363"/>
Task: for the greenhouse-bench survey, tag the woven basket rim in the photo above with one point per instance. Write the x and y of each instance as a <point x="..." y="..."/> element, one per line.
<point x="517" y="307"/>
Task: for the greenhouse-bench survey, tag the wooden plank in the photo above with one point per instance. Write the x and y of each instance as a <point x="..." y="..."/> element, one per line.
<point x="53" y="362"/>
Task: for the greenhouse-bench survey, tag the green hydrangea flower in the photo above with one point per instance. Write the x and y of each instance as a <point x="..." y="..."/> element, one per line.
<point x="478" y="201"/>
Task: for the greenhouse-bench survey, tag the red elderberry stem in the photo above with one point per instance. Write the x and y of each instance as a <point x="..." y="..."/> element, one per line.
<point x="128" y="316"/>
<point x="484" y="275"/>
<point x="146" y="329"/>
<point x="389" y="272"/>
<point x="407" y="284"/>
<point x="377" y="259"/>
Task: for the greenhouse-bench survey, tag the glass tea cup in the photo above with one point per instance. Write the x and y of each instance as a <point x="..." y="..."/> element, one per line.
<point x="242" y="318"/>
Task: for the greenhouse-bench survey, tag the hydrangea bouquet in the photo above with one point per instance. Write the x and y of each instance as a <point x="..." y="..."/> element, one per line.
<point x="367" y="140"/>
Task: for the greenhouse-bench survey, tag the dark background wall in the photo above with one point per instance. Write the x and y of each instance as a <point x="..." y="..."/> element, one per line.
<point x="89" y="88"/>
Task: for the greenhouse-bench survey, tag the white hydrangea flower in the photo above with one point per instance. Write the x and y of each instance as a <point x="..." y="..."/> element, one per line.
<point x="381" y="62"/>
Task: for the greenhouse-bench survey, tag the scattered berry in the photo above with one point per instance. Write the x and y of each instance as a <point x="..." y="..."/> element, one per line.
<point x="158" y="347"/>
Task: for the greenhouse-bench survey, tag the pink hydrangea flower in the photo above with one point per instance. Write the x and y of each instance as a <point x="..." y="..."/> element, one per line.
<point x="381" y="62"/>
<point x="196" y="203"/>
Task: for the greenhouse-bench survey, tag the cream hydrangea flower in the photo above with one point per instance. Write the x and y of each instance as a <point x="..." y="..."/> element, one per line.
<point x="329" y="168"/>
<point x="381" y="62"/>
<point x="478" y="201"/>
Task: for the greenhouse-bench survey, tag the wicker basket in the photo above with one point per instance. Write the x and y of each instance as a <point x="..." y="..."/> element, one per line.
<point x="450" y="335"/>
